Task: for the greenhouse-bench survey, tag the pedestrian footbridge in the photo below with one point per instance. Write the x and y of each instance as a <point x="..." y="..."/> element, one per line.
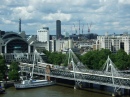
<point x="109" y="76"/>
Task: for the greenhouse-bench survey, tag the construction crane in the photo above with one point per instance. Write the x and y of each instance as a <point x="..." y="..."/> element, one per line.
<point x="79" y="27"/>
<point x="75" y="29"/>
<point x="89" y="26"/>
<point x="70" y="31"/>
<point x="82" y="28"/>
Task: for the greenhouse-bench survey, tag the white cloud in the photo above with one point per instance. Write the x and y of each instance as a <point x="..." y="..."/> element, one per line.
<point x="58" y="16"/>
<point x="22" y="12"/>
<point x="7" y="21"/>
<point x="124" y="1"/>
<point x="115" y="23"/>
<point x="106" y="15"/>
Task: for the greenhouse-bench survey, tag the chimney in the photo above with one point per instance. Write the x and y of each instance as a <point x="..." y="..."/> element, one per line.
<point x="19" y="24"/>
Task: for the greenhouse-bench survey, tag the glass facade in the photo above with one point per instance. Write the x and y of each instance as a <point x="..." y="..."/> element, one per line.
<point x="17" y="46"/>
<point x="58" y="29"/>
<point x="14" y="43"/>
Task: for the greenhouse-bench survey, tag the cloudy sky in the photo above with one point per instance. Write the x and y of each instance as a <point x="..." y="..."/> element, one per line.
<point x="112" y="16"/>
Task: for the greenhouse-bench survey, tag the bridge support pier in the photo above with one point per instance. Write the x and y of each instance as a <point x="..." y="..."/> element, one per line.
<point x="126" y="92"/>
<point x="83" y="85"/>
<point x="116" y="94"/>
<point x="90" y="85"/>
<point x="76" y="86"/>
<point x="102" y="87"/>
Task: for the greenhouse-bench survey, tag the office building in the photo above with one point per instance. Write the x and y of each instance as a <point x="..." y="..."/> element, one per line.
<point x="58" y="29"/>
<point x="43" y="34"/>
<point x="114" y="42"/>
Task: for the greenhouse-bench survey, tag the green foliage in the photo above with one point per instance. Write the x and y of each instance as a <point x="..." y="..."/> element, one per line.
<point x="14" y="66"/>
<point x="54" y="57"/>
<point x="93" y="59"/>
<point x="78" y="56"/>
<point x="122" y="59"/>
<point x="3" y="68"/>
<point x="13" y="73"/>
<point x="1" y="76"/>
<point x="1" y="57"/>
<point x="96" y="59"/>
<point x="121" y="55"/>
<point x="46" y="52"/>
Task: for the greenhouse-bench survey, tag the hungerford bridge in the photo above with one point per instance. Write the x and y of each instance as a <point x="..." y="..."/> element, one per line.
<point x="109" y="76"/>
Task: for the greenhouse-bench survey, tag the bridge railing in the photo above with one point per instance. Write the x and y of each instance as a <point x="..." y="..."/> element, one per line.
<point x="97" y="77"/>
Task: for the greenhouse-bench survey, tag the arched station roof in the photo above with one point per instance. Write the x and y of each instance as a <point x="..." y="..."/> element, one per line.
<point x="11" y="39"/>
<point x="11" y="35"/>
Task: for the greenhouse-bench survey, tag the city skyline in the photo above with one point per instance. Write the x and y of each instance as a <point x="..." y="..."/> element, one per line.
<point x="110" y="16"/>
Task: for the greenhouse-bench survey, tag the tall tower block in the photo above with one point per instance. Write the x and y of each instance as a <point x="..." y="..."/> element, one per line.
<point x="58" y="29"/>
<point x="19" y="24"/>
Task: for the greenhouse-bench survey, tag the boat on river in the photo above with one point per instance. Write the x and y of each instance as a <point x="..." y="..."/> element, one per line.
<point x="33" y="83"/>
<point x="2" y="90"/>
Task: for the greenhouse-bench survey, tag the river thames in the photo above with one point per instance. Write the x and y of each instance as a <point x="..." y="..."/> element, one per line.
<point x="58" y="90"/>
<point x="53" y="91"/>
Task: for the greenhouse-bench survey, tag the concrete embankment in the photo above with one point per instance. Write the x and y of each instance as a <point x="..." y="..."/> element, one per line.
<point x="6" y="84"/>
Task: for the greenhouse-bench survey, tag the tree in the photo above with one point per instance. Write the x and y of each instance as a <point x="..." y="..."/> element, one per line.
<point x="56" y="58"/>
<point x="128" y="63"/>
<point x="121" y="59"/>
<point x="3" y="68"/>
<point x="13" y="73"/>
<point x="95" y="59"/>
<point x="51" y="58"/>
<point x="47" y="53"/>
<point x="14" y="66"/>
<point x="1" y="76"/>
<point x="87" y="58"/>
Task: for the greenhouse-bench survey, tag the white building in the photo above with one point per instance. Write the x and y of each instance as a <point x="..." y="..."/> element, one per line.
<point x="52" y="47"/>
<point x="43" y="34"/>
<point x="114" y="42"/>
<point x="56" y="45"/>
<point x="85" y="44"/>
<point x="60" y="45"/>
<point x="67" y="44"/>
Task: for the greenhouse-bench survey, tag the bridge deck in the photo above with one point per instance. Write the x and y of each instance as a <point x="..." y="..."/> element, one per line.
<point x="97" y="77"/>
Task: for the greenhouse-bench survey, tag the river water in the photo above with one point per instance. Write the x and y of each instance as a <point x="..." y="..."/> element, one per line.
<point x="55" y="91"/>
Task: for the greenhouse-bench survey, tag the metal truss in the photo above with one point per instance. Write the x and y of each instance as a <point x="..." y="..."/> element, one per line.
<point x="109" y="76"/>
<point x="96" y="77"/>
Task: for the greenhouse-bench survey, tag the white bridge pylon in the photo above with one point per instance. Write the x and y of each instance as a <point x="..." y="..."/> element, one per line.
<point x="110" y="67"/>
<point x="76" y="63"/>
<point x="78" y="66"/>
